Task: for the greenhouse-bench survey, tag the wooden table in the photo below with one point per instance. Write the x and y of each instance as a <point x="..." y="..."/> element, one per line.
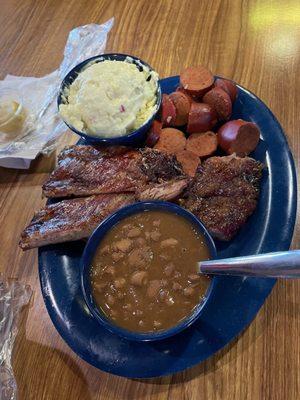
<point x="255" y="43"/>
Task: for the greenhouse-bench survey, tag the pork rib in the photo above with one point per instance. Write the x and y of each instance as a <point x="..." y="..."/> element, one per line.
<point x="70" y="220"/>
<point x="169" y="190"/>
<point x="75" y="219"/>
<point x="86" y="170"/>
<point x="224" y="194"/>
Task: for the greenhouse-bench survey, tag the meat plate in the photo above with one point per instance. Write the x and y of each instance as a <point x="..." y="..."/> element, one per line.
<point x="235" y="301"/>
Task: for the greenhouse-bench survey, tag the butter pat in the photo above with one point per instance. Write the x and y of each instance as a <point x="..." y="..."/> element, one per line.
<point x="110" y="98"/>
<point x="12" y="116"/>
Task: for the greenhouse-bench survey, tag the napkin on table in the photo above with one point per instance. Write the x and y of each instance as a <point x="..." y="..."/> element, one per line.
<point x="43" y="125"/>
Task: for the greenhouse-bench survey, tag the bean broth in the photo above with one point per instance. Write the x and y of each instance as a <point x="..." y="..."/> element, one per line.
<point x="144" y="272"/>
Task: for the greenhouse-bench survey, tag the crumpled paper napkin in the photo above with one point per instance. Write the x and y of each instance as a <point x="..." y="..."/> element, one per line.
<point x="43" y="125"/>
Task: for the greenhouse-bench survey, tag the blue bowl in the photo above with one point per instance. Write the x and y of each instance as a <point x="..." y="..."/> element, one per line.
<point x="137" y="136"/>
<point x="92" y="245"/>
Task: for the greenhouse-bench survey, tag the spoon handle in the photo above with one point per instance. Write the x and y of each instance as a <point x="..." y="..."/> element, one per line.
<point x="282" y="264"/>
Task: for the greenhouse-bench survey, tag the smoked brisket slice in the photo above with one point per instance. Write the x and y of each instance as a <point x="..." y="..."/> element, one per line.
<point x="224" y="194"/>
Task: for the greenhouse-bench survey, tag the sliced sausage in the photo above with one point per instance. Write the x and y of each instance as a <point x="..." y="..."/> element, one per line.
<point x="238" y="136"/>
<point x="168" y="111"/>
<point x="188" y="95"/>
<point x="189" y="161"/>
<point x="202" y="144"/>
<point x="202" y="118"/>
<point x="220" y="101"/>
<point x="182" y="103"/>
<point x="171" y="141"/>
<point x="228" y="86"/>
<point x="196" y="80"/>
<point x="154" y="133"/>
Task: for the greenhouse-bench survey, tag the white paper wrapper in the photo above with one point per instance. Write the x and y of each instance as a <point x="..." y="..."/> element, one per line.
<point x="43" y="125"/>
<point x="13" y="296"/>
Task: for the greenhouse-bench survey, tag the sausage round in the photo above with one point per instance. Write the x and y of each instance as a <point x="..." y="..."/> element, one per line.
<point x="168" y="111"/>
<point x="228" y="86"/>
<point x="196" y="80"/>
<point x="202" y="144"/>
<point x="171" y="141"/>
<point x="220" y="101"/>
<point x="202" y="118"/>
<point x="182" y="104"/>
<point x="238" y="136"/>
<point x="154" y="133"/>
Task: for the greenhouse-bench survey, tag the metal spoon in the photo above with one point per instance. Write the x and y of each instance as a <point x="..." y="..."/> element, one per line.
<point x="282" y="264"/>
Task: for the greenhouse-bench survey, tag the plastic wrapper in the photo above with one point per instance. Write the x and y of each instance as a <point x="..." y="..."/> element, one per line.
<point x="42" y="125"/>
<point x="13" y="296"/>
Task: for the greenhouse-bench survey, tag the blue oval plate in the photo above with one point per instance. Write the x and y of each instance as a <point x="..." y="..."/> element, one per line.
<point x="235" y="301"/>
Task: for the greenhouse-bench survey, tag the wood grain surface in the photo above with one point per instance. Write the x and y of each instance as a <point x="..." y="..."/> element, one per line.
<point x="256" y="43"/>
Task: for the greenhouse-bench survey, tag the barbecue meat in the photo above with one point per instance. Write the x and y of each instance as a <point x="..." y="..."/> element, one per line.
<point x="224" y="194"/>
<point x="86" y="170"/>
<point x="75" y="219"/>
<point x="169" y="190"/>
<point x="71" y="219"/>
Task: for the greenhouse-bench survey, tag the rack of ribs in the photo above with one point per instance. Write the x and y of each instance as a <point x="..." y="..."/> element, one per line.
<point x="70" y="220"/>
<point x="110" y="178"/>
<point x="224" y="194"/>
<point x="86" y="170"/>
<point x="74" y="219"/>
